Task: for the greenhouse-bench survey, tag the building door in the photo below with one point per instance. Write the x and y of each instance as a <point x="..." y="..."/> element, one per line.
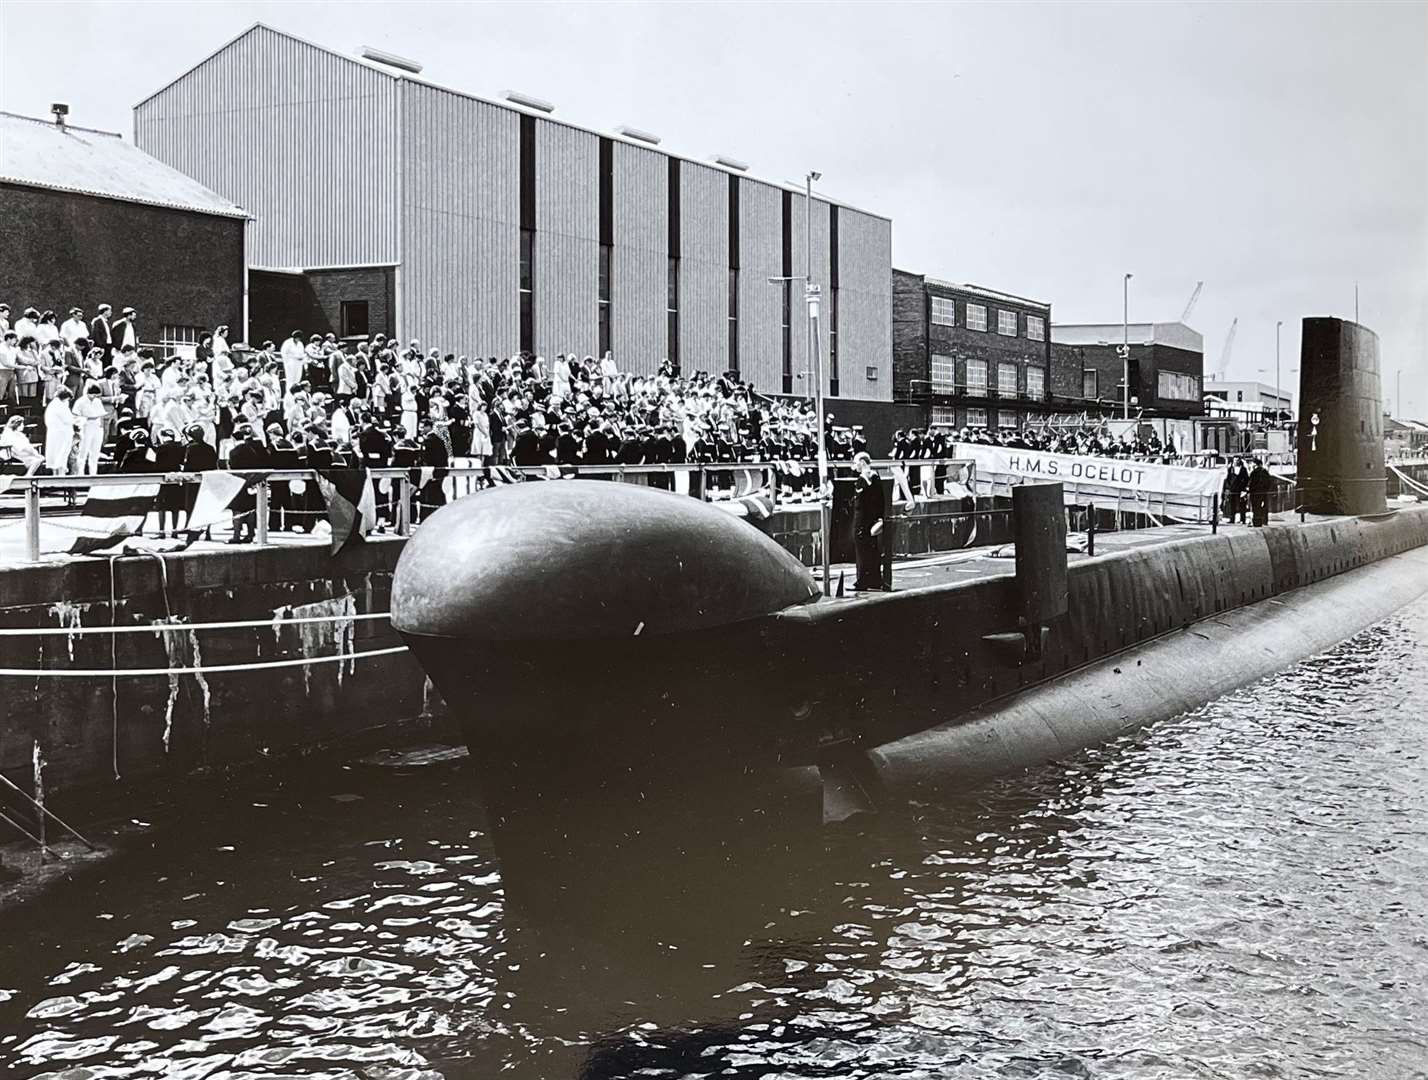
<point x="354" y="318"/>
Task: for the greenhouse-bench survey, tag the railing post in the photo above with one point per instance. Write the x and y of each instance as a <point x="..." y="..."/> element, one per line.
<point x="404" y="505"/>
<point x="260" y="527"/>
<point x="32" y="521"/>
<point x="1090" y="528"/>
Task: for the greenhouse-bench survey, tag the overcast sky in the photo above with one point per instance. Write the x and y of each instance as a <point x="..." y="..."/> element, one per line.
<point x="1277" y="151"/>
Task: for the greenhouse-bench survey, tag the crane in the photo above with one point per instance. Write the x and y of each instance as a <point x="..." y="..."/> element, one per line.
<point x="1225" y="352"/>
<point x="1194" y="296"/>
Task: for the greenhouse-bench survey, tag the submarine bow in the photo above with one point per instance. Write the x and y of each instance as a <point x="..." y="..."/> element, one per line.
<point x="578" y="617"/>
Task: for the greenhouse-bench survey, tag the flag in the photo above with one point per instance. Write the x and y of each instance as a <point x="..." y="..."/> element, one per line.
<point x="216" y="493"/>
<point x="351" y="505"/>
<point x="110" y="513"/>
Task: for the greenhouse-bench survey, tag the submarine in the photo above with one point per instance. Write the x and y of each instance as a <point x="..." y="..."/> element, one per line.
<point x="596" y="637"/>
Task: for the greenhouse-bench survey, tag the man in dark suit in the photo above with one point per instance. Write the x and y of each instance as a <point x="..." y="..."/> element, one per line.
<point x="1260" y="484"/>
<point x="100" y="335"/>
<point x="869" y="508"/>
<point x="247" y="453"/>
<point x="198" y="457"/>
<point x="1239" y="488"/>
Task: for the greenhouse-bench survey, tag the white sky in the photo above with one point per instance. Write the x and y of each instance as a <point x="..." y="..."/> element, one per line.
<point x="1277" y="151"/>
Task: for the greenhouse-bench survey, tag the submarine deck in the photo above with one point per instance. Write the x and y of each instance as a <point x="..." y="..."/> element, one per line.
<point x="942" y="568"/>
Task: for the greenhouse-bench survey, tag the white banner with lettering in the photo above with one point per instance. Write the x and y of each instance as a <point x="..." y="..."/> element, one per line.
<point x="1136" y="479"/>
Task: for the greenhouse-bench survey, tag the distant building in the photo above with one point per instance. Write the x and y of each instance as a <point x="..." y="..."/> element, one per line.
<point x="383" y="202"/>
<point x="1166" y="366"/>
<point x="86" y="219"/>
<point x="967" y="356"/>
<point x="1260" y="396"/>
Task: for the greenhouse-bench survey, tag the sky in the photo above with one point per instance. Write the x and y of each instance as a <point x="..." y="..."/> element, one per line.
<point x="1276" y="151"/>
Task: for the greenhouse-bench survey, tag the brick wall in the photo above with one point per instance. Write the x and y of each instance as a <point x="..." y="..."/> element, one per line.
<point x="60" y="250"/>
<point x="312" y="302"/>
<point x="909" y="333"/>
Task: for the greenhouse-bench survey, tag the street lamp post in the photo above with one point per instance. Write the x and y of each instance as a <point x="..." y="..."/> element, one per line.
<point x="1125" y="351"/>
<point x="1278" y="407"/>
<point x="813" y="361"/>
<point x="813" y="366"/>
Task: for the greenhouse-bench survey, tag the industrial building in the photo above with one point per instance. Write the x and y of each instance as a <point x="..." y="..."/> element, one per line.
<point x="1166" y="366"/>
<point x="87" y="219"/>
<point x="967" y="356"/>
<point x="383" y="202"/>
<point x="1251" y="397"/>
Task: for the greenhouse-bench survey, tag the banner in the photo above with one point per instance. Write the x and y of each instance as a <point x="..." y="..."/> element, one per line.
<point x="109" y="514"/>
<point x="1137" y="479"/>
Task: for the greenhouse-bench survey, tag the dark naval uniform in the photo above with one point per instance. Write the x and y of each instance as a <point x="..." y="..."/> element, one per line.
<point x="869" y="507"/>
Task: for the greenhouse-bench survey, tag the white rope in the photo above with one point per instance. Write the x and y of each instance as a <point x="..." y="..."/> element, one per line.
<point x="56" y="673"/>
<point x="157" y="628"/>
<point x="1404" y="478"/>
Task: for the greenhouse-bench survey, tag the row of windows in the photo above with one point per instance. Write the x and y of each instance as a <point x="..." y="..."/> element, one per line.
<point x="944" y="378"/>
<point x="943" y="312"/>
<point x="1173" y="386"/>
<point x="946" y="416"/>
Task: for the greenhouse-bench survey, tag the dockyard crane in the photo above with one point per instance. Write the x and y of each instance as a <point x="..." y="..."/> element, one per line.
<point x="1194" y="296"/>
<point x="1225" y="352"/>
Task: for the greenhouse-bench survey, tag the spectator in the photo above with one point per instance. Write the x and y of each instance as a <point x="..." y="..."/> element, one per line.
<point x="59" y="433"/>
<point x="14" y="440"/>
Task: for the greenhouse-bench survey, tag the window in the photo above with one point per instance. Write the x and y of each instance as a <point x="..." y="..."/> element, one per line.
<point x="733" y="343"/>
<point x="354" y="318"/>
<point x="672" y="315"/>
<point x="833" y="301"/>
<point x="606" y="254"/>
<point x="1173" y="386"/>
<point x="1006" y="380"/>
<point x="1006" y="323"/>
<point x="944" y="311"/>
<point x="977" y="378"/>
<point x="1089" y="390"/>
<point x="1036" y="328"/>
<point x="944" y="374"/>
<point x="180" y="340"/>
<point x="1036" y="383"/>
<point x="734" y="319"/>
<point x="788" y="292"/>
<point x="527" y="290"/>
<point x="944" y="416"/>
<point x="976" y="417"/>
<point x="976" y="317"/>
<point x="788" y="337"/>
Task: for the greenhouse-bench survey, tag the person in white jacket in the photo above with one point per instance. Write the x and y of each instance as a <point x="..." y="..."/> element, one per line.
<point x="89" y="413"/>
<point x="59" y="433"/>
<point x="14" y="439"/>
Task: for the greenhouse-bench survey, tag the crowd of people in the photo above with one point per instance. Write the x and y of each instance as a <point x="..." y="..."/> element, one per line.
<point x="313" y="401"/>
<point x="1092" y="438"/>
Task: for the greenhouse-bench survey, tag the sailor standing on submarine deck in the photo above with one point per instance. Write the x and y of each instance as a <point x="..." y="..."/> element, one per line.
<point x="869" y="507"/>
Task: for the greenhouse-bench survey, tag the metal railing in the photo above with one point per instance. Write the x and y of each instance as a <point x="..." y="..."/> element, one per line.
<point x="712" y="482"/>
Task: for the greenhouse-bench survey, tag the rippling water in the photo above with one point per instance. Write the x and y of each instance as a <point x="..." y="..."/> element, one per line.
<point x="1240" y="892"/>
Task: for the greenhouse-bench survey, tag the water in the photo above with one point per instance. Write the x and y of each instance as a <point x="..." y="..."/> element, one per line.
<point x="1240" y="892"/>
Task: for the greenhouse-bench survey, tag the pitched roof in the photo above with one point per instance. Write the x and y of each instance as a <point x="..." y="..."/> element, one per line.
<point x="40" y="153"/>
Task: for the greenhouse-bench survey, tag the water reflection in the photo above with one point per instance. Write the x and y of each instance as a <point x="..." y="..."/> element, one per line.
<point x="1238" y="892"/>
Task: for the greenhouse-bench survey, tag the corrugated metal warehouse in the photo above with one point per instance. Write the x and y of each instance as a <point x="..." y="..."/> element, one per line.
<point x="495" y="226"/>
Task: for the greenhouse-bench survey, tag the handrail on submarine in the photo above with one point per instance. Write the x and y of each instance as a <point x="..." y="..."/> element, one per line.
<point x="401" y="476"/>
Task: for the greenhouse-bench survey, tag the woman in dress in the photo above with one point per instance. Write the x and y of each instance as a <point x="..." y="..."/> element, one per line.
<point x="59" y="433"/>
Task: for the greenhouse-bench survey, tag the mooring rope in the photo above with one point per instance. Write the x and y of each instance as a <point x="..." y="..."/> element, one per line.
<point x="154" y="628"/>
<point x="89" y="673"/>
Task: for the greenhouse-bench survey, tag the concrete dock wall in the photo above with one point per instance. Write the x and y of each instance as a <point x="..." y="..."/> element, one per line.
<point x="94" y="732"/>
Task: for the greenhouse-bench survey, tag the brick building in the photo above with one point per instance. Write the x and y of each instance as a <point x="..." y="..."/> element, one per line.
<point x="969" y="356"/>
<point x="1167" y="362"/>
<point x="86" y="218"/>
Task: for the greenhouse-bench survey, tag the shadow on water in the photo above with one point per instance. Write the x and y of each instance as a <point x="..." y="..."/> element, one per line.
<point x="1170" y="904"/>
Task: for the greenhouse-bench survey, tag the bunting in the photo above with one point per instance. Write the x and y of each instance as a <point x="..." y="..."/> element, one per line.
<point x="351" y="505"/>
